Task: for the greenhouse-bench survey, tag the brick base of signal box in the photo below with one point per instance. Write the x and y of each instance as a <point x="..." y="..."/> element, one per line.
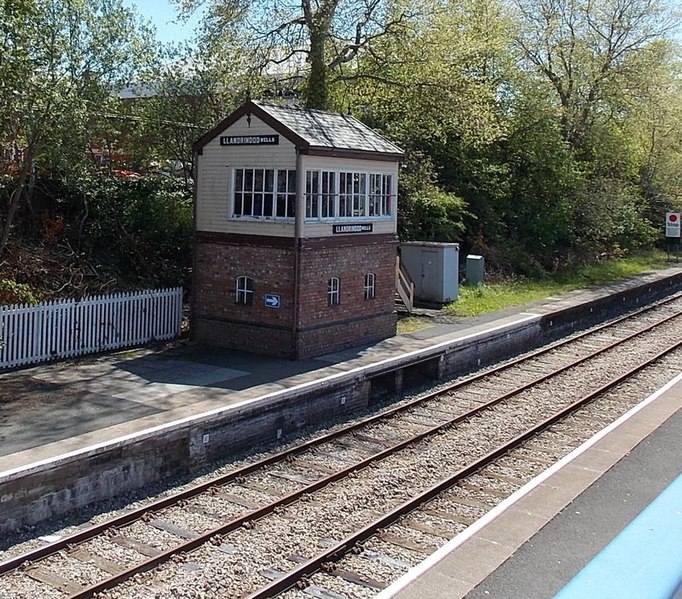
<point x="218" y="320"/>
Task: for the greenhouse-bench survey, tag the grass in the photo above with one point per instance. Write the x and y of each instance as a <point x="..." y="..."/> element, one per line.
<point x="410" y="324"/>
<point x="482" y="299"/>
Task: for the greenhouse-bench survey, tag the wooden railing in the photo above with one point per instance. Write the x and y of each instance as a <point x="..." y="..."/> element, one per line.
<point x="404" y="285"/>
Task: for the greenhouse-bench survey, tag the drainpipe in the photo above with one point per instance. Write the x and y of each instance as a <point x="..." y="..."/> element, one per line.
<point x="193" y="282"/>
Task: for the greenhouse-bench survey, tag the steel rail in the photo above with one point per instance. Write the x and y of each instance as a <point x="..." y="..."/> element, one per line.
<point x="129" y="517"/>
<point x="215" y="534"/>
<point x="339" y="550"/>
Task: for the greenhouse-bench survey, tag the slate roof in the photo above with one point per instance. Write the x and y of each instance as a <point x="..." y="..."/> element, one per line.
<point x="314" y="131"/>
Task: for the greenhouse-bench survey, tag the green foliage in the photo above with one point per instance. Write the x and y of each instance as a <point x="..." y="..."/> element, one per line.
<point x="607" y="217"/>
<point x="492" y="297"/>
<point x="543" y="178"/>
<point x="192" y="92"/>
<point x="137" y="231"/>
<point x="12" y="292"/>
<point x="425" y="212"/>
<point x="434" y="80"/>
<point x="60" y="61"/>
<point x="141" y="229"/>
<point x="542" y="134"/>
<point x="432" y="215"/>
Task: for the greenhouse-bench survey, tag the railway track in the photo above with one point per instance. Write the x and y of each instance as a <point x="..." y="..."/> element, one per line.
<point x="345" y="513"/>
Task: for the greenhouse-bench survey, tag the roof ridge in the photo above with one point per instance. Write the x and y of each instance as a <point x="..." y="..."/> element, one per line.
<point x="295" y="107"/>
<point x="263" y="103"/>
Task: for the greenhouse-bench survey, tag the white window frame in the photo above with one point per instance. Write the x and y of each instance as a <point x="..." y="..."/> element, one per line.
<point x="244" y="291"/>
<point x="320" y="194"/>
<point x="333" y="291"/>
<point x="356" y="195"/>
<point x="381" y="198"/>
<point x="263" y="194"/>
<point x="370" y="286"/>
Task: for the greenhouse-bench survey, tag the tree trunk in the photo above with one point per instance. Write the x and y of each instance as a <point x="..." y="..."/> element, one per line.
<point x="15" y="200"/>
<point x="317" y="91"/>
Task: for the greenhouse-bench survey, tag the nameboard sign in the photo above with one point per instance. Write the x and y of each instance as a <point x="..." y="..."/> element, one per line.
<point x="249" y="140"/>
<point x="359" y="228"/>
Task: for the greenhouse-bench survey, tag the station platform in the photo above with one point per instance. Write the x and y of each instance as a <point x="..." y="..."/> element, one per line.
<point x="55" y="409"/>
<point x="72" y="433"/>
<point x="604" y="523"/>
<point x="64" y="408"/>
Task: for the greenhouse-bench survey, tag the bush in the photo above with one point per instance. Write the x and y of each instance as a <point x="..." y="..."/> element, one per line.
<point x="425" y="211"/>
<point x="110" y="233"/>
<point x="141" y="228"/>
<point x="12" y="292"/>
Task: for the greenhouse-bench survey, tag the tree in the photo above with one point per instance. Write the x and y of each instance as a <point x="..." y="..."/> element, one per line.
<point x="583" y="47"/>
<point x="181" y="96"/>
<point x="436" y="90"/>
<point x="61" y="61"/>
<point x="294" y="40"/>
<point x="656" y="129"/>
<point x="437" y="78"/>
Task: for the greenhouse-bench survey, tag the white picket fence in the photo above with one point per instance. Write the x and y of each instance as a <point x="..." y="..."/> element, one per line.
<point x="66" y="328"/>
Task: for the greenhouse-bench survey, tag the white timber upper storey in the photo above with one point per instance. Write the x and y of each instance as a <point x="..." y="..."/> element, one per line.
<point x="283" y="171"/>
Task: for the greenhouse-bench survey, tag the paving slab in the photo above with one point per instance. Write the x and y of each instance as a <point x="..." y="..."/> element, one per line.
<point x="535" y="545"/>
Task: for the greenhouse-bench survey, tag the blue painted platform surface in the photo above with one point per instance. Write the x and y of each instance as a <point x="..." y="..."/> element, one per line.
<point x="643" y="562"/>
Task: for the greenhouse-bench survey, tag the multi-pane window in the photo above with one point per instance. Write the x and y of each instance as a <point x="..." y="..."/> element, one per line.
<point x="380" y="190"/>
<point x="244" y="290"/>
<point x="271" y="193"/>
<point x="359" y="194"/>
<point x="369" y="285"/>
<point x="262" y="192"/>
<point x="345" y="194"/>
<point x="286" y="194"/>
<point x="320" y="190"/>
<point x="348" y="195"/>
<point x="334" y="291"/>
<point x="352" y="194"/>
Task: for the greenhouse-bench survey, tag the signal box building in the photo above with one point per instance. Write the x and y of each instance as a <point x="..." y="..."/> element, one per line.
<point x="295" y="241"/>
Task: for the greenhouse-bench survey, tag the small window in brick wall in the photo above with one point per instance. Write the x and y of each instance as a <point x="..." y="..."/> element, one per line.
<point x="334" y="291"/>
<point x="245" y="290"/>
<point x="369" y="285"/>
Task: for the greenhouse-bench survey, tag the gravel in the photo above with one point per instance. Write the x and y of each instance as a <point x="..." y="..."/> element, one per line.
<point x="339" y="509"/>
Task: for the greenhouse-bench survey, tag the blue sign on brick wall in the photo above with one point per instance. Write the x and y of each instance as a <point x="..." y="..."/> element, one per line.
<point x="272" y="301"/>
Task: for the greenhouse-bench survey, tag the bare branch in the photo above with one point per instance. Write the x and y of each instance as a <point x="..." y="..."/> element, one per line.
<point x="351" y="50"/>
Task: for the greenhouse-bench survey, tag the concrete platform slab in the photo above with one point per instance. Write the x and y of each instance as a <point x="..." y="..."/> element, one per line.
<point x="552" y="527"/>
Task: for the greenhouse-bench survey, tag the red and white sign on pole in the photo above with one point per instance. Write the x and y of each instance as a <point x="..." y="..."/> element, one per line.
<point x="672" y="224"/>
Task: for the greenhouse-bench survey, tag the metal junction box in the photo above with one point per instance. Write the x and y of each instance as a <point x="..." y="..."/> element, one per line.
<point x="434" y="268"/>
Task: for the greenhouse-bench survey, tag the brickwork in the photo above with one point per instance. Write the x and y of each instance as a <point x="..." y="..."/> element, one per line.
<point x="218" y="320"/>
<point x="336" y="336"/>
<point x="349" y="260"/>
<point x="252" y="338"/>
<point x="355" y="320"/>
